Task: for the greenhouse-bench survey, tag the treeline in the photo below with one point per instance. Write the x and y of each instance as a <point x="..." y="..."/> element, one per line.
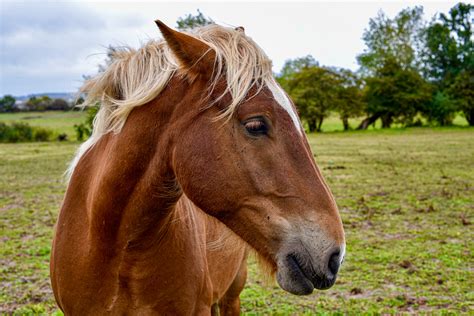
<point x="410" y="69"/>
<point x="8" y="104"/>
<point x="22" y="132"/>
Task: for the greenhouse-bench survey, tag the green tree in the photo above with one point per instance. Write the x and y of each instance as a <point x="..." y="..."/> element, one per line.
<point x="394" y="39"/>
<point x="441" y="109"/>
<point x="449" y="45"/>
<point x="395" y="94"/>
<point x="349" y="102"/>
<point x="317" y="91"/>
<point x="191" y="21"/>
<point x="462" y="91"/>
<point x="7" y="104"/>
<point x="395" y="91"/>
<point x="448" y="60"/>
<point x="38" y="103"/>
<point x="314" y="91"/>
<point x="294" y="66"/>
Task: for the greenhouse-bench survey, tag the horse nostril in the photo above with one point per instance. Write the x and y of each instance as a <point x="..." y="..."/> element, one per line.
<point x="334" y="262"/>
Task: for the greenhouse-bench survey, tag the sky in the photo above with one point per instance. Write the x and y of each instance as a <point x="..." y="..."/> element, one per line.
<point x="47" y="46"/>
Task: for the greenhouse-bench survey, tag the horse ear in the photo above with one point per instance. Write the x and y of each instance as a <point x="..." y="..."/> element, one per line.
<point x="193" y="54"/>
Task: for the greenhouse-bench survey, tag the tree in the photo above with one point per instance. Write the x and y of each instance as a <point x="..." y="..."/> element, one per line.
<point x="294" y="66"/>
<point x="349" y="102"/>
<point x="58" y="105"/>
<point x="38" y="103"/>
<point x="448" y="59"/>
<point x="318" y="90"/>
<point x="392" y="39"/>
<point x="462" y="91"/>
<point x="313" y="89"/>
<point x="395" y="94"/>
<point x="441" y="109"/>
<point x="449" y="45"/>
<point x="395" y="91"/>
<point x="191" y="21"/>
<point x="7" y="104"/>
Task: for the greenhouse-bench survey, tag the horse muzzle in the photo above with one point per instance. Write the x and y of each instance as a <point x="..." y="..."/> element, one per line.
<point x="298" y="273"/>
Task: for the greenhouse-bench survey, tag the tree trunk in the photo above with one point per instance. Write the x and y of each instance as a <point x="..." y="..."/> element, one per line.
<point x="320" y="123"/>
<point x="469" y="114"/>
<point x="386" y="121"/>
<point x="368" y="121"/>
<point x="447" y="121"/>
<point x="345" y="122"/>
<point x="312" y="125"/>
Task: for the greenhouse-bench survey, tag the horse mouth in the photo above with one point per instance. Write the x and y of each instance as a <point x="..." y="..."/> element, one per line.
<point x="297" y="278"/>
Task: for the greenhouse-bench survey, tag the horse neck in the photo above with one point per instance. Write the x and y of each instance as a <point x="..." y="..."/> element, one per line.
<point x="132" y="188"/>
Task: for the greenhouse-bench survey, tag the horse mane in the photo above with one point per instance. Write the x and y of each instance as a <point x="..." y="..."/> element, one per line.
<point x="136" y="77"/>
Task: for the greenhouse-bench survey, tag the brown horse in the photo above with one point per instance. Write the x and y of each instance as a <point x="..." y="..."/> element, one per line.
<point x="196" y="155"/>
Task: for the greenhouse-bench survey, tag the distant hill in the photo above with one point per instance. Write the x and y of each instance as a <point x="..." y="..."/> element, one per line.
<point x="68" y="96"/>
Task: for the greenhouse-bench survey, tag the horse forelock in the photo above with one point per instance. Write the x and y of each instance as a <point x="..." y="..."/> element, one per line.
<point x="136" y="77"/>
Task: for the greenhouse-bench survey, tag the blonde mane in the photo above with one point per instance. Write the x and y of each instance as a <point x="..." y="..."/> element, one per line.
<point x="136" y="77"/>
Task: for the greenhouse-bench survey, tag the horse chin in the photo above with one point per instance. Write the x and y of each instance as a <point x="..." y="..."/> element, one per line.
<point x="294" y="283"/>
<point x="293" y="277"/>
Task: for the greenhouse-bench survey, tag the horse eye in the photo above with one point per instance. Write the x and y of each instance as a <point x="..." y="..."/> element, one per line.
<point x="256" y="127"/>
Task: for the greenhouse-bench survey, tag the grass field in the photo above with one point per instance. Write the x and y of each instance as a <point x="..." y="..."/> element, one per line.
<point x="406" y="198"/>
<point x="63" y="121"/>
<point x="58" y="121"/>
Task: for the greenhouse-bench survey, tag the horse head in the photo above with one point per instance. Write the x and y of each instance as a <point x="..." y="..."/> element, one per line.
<point x="242" y="156"/>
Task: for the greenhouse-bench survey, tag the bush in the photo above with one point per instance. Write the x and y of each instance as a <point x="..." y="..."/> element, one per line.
<point x="84" y="130"/>
<point x="22" y="132"/>
<point x="41" y="134"/>
<point x="3" y="131"/>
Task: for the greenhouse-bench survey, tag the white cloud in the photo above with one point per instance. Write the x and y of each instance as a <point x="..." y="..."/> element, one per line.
<point x="49" y="45"/>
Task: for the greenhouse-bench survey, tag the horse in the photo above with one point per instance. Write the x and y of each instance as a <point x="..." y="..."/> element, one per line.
<point x="197" y="156"/>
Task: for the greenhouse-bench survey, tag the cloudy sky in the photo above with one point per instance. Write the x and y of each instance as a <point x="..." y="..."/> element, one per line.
<point x="47" y="46"/>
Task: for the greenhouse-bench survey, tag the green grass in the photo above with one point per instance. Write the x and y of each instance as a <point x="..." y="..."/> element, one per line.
<point x="333" y="123"/>
<point x="406" y="198"/>
<point x="58" y="121"/>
